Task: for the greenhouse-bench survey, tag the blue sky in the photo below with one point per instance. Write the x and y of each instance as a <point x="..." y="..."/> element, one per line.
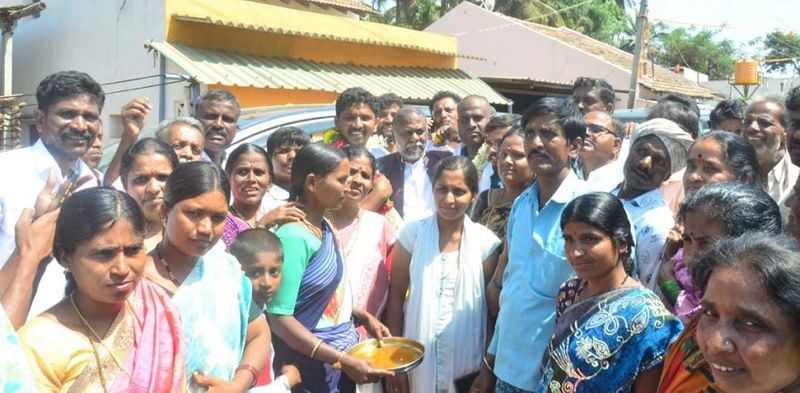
<point x="747" y="19"/>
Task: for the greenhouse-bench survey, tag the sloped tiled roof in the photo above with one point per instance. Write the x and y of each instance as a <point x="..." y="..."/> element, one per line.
<point x="350" y="5"/>
<point x="655" y="78"/>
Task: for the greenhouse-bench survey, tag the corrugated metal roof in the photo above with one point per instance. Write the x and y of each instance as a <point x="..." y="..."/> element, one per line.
<point x="233" y="69"/>
<point x="282" y="20"/>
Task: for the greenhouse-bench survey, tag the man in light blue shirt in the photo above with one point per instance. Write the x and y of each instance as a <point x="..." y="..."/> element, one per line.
<point x="536" y="266"/>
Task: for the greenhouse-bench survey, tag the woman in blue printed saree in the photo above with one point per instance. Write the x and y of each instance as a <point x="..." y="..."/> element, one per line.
<point x="227" y="338"/>
<point x="312" y="312"/>
<point x="611" y="332"/>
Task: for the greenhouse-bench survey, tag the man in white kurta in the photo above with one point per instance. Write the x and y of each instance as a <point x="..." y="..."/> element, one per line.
<point x="68" y="120"/>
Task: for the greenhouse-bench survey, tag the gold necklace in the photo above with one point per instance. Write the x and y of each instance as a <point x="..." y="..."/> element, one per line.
<point x="166" y="267"/>
<point x="354" y="238"/>
<point x="89" y="328"/>
<point x="313" y="228"/>
<point x="238" y="214"/>
<point x="578" y="296"/>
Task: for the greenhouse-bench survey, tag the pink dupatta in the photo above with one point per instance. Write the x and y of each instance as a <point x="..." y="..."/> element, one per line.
<point x="156" y="361"/>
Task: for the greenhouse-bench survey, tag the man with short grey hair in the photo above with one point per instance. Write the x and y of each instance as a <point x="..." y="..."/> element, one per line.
<point x="410" y="168"/>
<point x="185" y="135"/>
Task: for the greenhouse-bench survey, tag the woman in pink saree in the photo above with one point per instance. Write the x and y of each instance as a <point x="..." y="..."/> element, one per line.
<point x="113" y="331"/>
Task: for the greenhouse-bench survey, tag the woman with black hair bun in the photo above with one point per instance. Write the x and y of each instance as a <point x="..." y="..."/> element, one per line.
<point x="611" y="332"/>
<point x="227" y="335"/>
<point x="144" y="170"/>
<point x="312" y="314"/>
<point x="114" y="331"/>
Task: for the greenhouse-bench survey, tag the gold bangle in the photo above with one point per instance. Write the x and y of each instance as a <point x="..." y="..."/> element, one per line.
<point x="338" y="364"/>
<point x="316" y="347"/>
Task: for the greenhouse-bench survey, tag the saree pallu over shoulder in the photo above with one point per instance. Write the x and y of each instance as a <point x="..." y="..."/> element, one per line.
<point x="15" y="377"/>
<point x="685" y="369"/>
<point x="603" y="343"/>
<point x="214" y="301"/>
<point x="316" y="298"/>
<point x="320" y="280"/>
<point x="147" y="336"/>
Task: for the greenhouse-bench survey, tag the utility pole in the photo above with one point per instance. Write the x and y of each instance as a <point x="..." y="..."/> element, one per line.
<point x="8" y="20"/>
<point x="641" y="24"/>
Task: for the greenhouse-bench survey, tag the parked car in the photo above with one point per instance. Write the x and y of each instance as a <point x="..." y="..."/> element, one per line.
<point x="256" y="125"/>
<point x="639" y="115"/>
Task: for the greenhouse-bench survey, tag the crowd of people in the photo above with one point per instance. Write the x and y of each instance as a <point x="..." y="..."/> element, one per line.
<point x="557" y="251"/>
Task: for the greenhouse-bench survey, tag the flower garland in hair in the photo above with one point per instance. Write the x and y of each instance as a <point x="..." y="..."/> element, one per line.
<point x="333" y="137"/>
<point x="481" y="158"/>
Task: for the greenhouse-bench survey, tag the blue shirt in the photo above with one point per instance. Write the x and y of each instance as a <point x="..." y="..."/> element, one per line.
<point x="535" y="271"/>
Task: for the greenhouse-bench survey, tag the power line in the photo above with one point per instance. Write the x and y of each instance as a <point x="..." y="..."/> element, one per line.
<point x="130" y="80"/>
<point x="559" y="11"/>
<point x="107" y="93"/>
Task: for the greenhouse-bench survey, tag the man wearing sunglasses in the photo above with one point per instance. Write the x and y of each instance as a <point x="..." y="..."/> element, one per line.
<point x="599" y="163"/>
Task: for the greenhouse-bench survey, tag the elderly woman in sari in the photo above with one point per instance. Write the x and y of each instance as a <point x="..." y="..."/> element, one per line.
<point x="249" y="171"/>
<point x="747" y="330"/>
<point x="312" y="312"/>
<point x="746" y="209"/>
<point x="114" y="332"/>
<point x="604" y="307"/>
<point x="367" y="237"/>
<point x="716" y="157"/>
<point x="227" y="337"/>
<point x="144" y="170"/>
<point x="437" y="292"/>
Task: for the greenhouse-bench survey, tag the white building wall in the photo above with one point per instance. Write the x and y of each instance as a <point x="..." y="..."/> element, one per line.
<point x="104" y="38"/>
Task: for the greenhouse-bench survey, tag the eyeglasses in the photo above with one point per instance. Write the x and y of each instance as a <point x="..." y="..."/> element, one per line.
<point x="597" y="130"/>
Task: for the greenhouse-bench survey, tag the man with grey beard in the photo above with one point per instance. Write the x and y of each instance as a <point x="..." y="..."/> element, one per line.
<point x="410" y="169"/>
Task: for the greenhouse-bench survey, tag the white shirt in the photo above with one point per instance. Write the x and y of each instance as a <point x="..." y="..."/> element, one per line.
<point x="486" y="178"/>
<point x="23" y="175"/>
<point x="781" y="179"/>
<point x="605" y="178"/>
<point x="456" y="152"/>
<point x="274" y="198"/>
<point x="417" y="192"/>
<point x="652" y="220"/>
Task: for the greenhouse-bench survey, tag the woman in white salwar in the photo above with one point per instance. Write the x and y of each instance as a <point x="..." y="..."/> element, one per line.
<point x="437" y="287"/>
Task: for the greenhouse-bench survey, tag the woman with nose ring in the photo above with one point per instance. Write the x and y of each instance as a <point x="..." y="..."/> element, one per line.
<point x="747" y="329"/>
<point x="746" y="209"/>
<point x="228" y="336"/>
<point x="114" y="331"/>
<point x="367" y="238"/>
<point x="439" y="275"/>
<point x="144" y="170"/>
<point x="250" y="173"/>
<point x="611" y="333"/>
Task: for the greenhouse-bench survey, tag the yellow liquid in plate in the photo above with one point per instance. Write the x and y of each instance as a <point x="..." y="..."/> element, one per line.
<point x="389" y="356"/>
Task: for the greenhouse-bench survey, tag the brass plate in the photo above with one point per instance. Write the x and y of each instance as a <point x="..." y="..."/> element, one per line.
<point x="398" y="354"/>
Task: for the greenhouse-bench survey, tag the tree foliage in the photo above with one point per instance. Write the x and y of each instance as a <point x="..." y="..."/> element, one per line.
<point x="698" y="50"/>
<point x="603" y="20"/>
<point x="780" y="45"/>
<point x="414" y="15"/>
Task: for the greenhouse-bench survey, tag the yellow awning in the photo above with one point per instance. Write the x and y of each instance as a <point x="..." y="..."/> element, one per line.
<point x="257" y="16"/>
<point x="232" y="69"/>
